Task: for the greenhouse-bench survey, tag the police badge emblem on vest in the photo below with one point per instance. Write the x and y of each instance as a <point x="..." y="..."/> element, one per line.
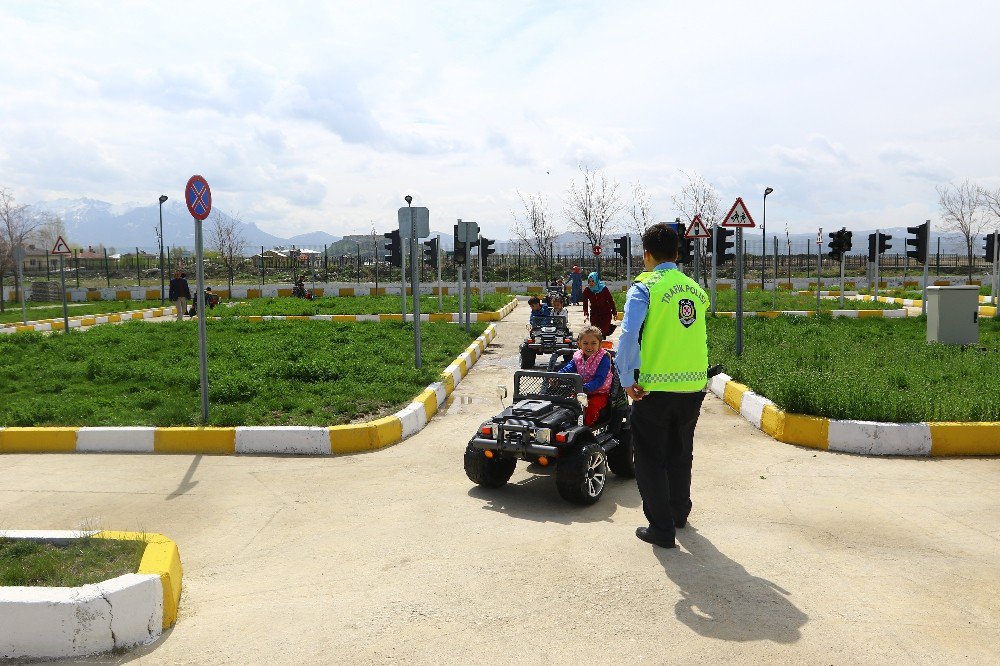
<point x="686" y="312"/>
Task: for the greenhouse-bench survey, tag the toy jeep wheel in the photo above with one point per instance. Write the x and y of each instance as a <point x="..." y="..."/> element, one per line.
<point x="581" y="477"/>
<point x="527" y="358"/>
<point x="621" y="459"/>
<point x="489" y="472"/>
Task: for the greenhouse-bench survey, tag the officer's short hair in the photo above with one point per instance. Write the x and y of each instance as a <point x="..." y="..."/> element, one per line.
<point x="661" y="241"/>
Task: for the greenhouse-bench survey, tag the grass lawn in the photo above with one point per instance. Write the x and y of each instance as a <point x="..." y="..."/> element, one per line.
<point x="54" y="311"/>
<point x="266" y="373"/>
<point x="865" y="369"/>
<point x="357" y="305"/>
<point x="755" y="301"/>
<point x="26" y="562"/>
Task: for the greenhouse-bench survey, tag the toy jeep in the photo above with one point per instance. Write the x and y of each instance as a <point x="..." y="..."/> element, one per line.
<point x="545" y="426"/>
<point x="547" y="334"/>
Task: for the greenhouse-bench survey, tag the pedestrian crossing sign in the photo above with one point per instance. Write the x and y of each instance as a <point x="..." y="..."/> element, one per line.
<point x="738" y="216"/>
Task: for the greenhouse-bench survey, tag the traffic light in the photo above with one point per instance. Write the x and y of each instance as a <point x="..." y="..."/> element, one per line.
<point x="990" y="247"/>
<point x="846" y="240"/>
<point x="621" y="246"/>
<point x="840" y="244"/>
<point x="883" y="243"/>
<point x="485" y="249"/>
<point x="685" y="251"/>
<point x="431" y="252"/>
<point x="459" y="249"/>
<point x="722" y="243"/>
<point x="920" y="242"/>
<point x="871" y="248"/>
<point x="394" y="249"/>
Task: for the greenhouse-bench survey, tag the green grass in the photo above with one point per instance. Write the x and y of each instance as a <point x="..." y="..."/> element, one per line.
<point x="357" y="305"/>
<point x="755" y="301"/>
<point x="866" y="369"/>
<point x="26" y="562"/>
<point x="266" y="373"/>
<point x="55" y="311"/>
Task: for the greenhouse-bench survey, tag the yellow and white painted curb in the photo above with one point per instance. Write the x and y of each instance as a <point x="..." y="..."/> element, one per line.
<point x="133" y="609"/>
<point x="863" y="437"/>
<point x="290" y="440"/>
<point x="850" y="314"/>
<point x="87" y="320"/>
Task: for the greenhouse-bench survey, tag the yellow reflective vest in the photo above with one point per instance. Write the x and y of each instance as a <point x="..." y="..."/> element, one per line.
<point x="673" y="343"/>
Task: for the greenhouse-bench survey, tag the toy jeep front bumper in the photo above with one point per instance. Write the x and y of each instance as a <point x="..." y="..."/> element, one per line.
<point x="514" y="446"/>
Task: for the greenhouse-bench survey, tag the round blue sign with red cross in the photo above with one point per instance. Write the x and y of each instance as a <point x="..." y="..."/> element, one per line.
<point x="198" y="197"/>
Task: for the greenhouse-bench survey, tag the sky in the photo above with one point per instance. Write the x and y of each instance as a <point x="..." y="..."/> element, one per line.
<point x="310" y="116"/>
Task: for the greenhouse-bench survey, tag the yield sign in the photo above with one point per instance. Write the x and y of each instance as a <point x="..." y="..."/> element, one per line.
<point x="738" y="216"/>
<point x="697" y="229"/>
<point x="61" y="247"/>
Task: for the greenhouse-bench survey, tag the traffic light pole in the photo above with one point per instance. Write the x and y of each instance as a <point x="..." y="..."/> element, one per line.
<point x="996" y="276"/>
<point x="819" y="270"/>
<point x="775" y="306"/>
<point x="628" y="259"/>
<point x="440" y="260"/>
<point x="415" y="266"/>
<point x="468" y="295"/>
<point x="402" y="276"/>
<point x="843" y="259"/>
<point x="715" y="246"/>
<point x="481" y="291"/>
<point x="878" y="242"/>
<point x="461" y="294"/>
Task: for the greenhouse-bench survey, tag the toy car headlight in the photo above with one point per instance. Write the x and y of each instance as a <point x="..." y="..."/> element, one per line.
<point x="543" y="435"/>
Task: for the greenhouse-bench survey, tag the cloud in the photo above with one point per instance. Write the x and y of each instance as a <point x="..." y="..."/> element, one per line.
<point x="910" y="163"/>
<point x="596" y="150"/>
<point x="818" y="153"/>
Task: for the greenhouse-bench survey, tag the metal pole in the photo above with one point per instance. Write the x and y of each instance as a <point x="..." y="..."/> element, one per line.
<point x="628" y="259"/>
<point x="62" y="276"/>
<point x="927" y="269"/>
<point x="715" y="231"/>
<point x="468" y="292"/>
<point x="138" y="275"/>
<point x="402" y="275"/>
<point x="415" y="265"/>
<point x="819" y="269"/>
<point x="878" y="241"/>
<point x="202" y="333"/>
<point x="763" y="241"/>
<point x="461" y="294"/>
<point x="20" y="282"/>
<point x="775" y="272"/>
<point x="163" y="284"/>
<point x="359" y="260"/>
<point x="843" y="258"/>
<point x="440" y="260"/>
<point x="995" y="287"/>
<point x="739" y="291"/>
<point x="479" y="251"/>
<point x="107" y="271"/>
<point x="938" y="261"/>
<point x="262" y="271"/>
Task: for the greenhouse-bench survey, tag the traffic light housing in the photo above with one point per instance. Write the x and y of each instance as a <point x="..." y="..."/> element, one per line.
<point x="871" y="248"/>
<point x="919" y="242"/>
<point x="459" y="249"/>
<point x="721" y="244"/>
<point x="621" y="246"/>
<point x="990" y="247"/>
<point x="431" y="252"/>
<point x="883" y="243"/>
<point x="840" y="244"/>
<point x="685" y="251"/>
<point x="394" y="249"/>
<point x="846" y="240"/>
<point x="485" y="249"/>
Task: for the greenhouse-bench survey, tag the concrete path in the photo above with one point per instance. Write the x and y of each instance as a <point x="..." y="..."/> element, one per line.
<point x="792" y="555"/>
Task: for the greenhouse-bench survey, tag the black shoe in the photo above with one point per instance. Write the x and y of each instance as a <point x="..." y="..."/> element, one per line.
<point x="647" y="536"/>
<point x="680" y="524"/>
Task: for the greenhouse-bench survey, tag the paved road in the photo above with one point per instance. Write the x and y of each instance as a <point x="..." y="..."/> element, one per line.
<point x="792" y="556"/>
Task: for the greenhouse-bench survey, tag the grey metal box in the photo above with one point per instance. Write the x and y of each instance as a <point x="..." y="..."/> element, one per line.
<point x="953" y="315"/>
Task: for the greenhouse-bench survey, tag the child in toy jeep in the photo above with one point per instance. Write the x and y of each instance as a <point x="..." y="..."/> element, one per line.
<point x="593" y="364"/>
<point x="547" y="333"/>
<point x="546" y="425"/>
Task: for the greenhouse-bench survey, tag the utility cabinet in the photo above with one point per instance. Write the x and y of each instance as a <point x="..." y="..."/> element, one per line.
<point x="953" y="315"/>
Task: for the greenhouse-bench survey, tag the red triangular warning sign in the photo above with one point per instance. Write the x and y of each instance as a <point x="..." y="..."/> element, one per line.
<point x="61" y="247"/>
<point x="738" y="216"/>
<point x="697" y="229"/>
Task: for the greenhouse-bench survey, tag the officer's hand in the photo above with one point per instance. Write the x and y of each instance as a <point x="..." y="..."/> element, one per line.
<point x="635" y="392"/>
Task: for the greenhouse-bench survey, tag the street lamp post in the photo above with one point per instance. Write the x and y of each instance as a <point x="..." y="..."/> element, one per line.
<point x="763" y="240"/>
<point x="163" y="296"/>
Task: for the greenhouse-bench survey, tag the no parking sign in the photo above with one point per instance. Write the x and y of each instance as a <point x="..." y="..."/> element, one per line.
<point x="198" y="195"/>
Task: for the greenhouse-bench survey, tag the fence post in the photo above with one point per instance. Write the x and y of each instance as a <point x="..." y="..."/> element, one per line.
<point x="107" y="272"/>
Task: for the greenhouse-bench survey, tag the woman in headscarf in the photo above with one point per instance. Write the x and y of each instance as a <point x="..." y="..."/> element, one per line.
<point x="599" y="305"/>
<point x="576" y="286"/>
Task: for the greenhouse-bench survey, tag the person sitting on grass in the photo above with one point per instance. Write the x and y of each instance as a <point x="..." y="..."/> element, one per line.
<point x="538" y="311"/>
<point x="593" y="364"/>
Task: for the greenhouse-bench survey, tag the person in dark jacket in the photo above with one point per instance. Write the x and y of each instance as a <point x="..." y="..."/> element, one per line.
<point x="179" y="294"/>
<point x="599" y="304"/>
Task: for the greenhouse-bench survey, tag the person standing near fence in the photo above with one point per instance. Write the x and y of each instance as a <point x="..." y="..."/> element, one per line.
<point x="576" y="286"/>
<point x="663" y="364"/>
<point x="179" y="294"/>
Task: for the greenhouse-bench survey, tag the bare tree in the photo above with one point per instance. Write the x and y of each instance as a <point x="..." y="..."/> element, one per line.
<point x="593" y="206"/>
<point x="227" y="239"/>
<point x="16" y="226"/>
<point x="50" y="227"/>
<point x="642" y="210"/>
<point x="962" y="210"/>
<point x="991" y="202"/>
<point x="535" y="229"/>
<point x="698" y="197"/>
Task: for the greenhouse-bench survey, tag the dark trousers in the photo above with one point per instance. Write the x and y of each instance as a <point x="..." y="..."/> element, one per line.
<point x="663" y="436"/>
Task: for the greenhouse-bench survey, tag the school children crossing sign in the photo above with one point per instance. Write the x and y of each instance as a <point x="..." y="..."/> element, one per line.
<point x="697" y="229"/>
<point x="738" y="216"/>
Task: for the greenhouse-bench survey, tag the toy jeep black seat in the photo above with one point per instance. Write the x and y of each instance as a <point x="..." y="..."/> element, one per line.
<point x="548" y="333"/>
<point x="545" y="425"/>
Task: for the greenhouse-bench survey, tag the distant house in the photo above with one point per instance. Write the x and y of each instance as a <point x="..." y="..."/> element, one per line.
<point x="34" y="258"/>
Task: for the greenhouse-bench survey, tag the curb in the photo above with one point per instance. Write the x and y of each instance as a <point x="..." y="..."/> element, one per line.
<point x="150" y="313"/>
<point x="133" y="609"/>
<point x="873" y="438"/>
<point x="266" y="440"/>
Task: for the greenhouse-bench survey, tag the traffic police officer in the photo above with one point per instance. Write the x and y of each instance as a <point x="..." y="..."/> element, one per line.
<point x="663" y="362"/>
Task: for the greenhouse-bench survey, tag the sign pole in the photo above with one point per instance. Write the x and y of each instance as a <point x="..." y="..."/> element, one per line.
<point x="62" y="275"/>
<point x="479" y="251"/>
<point x="202" y="332"/>
<point x="468" y="292"/>
<point x="628" y="259"/>
<point x="739" y="291"/>
<point x="927" y="270"/>
<point x="878" y="243"/>
<point x="402" y="276"/>
<point x="996" y="275"/>
<point x="843" y="259"/>
<point x="415" y="282"/>
<point x="461" y="294"/>
<point x="440" y="260"/>
<point x="819" y="269"/>
<point x="775" y="272"/>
